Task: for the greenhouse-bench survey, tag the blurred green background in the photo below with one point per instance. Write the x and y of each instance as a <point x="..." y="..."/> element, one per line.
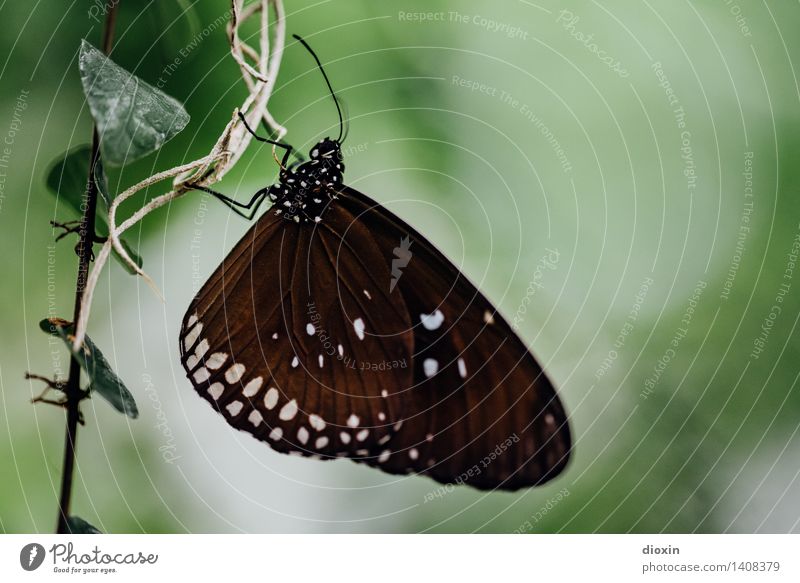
<point x="657" y="156"/>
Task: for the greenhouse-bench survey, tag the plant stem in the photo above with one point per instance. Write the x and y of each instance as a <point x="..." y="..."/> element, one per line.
<point x="73" y="390"/>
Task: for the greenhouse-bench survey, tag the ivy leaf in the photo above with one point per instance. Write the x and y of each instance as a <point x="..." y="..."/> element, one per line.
<point x="103" y="379"/>
<point x="67" y="176"/>
<point x="133" y="118"/>
<point x="77" y="525"/>
<point x="67" y="180"/>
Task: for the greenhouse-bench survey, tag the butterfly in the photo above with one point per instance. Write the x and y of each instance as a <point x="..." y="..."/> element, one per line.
<point x="334" y="329"/>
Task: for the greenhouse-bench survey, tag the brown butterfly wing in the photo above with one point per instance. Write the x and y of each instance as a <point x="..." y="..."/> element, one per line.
<point x="287" y="337"/>
<point x="480" y="411"/>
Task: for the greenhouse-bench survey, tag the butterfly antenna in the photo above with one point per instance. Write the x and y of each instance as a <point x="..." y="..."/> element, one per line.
<point x="330" y="87"/>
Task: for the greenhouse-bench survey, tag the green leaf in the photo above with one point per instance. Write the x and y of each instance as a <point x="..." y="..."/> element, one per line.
<point x="77" y="525"/>
<point x="67" y="180"/>
<point x="102" y="378"/>
<point x="133" y="118"/>
<point x="67" y="177"/>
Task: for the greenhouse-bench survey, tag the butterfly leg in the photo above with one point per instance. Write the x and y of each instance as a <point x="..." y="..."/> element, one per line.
<point x="289" y="150"/>
<point x="234" y="205"/>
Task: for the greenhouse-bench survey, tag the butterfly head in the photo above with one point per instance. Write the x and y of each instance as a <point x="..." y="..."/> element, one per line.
<point x="327" y="150"/>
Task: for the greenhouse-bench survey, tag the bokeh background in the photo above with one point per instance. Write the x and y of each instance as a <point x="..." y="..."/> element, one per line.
<point x="657" y="158"/>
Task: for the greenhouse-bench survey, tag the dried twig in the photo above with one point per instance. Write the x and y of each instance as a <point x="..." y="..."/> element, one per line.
<point x="230" y="146"/>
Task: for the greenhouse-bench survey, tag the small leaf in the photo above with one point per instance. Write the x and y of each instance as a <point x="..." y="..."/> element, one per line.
<point x="103" y="379"/>
<point x="77" y="525"/>
<point x="132" y="117"/>
<point x="67" y="177"/>
<point x="67" y="180"/>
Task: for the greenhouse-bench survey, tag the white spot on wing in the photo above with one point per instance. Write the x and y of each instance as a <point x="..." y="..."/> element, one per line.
<point x="353" y="420"/>
<point x="321" y="442"/>
<point x="192" y="336"/>
<point x="462" y="368"/>
<point x="430" y="366"/>
<point x="321" y="361"/>
<point x="192" y="361"/>
<point x="216" y="390"/>
<point x="271" y="398"/>
<point x="192" y="320"/>
<point x="316" y="422"/>
<point x="366" y="293"/>
<point x="384" y="456"/>
<point x="295" y="362"/>
<point x="341" y="350"/>
<point x="201" y="375"/>
<point x="432" y="321"/>
<point x="288" y="411"/>
<point x="302" y="435"/>
<point x="251" y="388"/>
<point x="276" y="434"/>
<point x="362" y="435"/>
<point x="345" y="437"/>
<point x="488" y="317"/>
<point x="202" y="348"/>
<point x="310" y="329"/>
<point x="235" y="407"/>
<point x="234" y="373"/>
<point x="216" y="360"/>
<point x="358" y="326"/>
<point x="255" y="418"/>
<point x="413" y="453"/>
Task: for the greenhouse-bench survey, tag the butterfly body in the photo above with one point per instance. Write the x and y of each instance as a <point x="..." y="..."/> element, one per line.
<point x="304" y="192"/>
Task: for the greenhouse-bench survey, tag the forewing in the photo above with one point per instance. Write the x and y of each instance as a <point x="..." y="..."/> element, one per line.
<point x="293" y="340"/>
